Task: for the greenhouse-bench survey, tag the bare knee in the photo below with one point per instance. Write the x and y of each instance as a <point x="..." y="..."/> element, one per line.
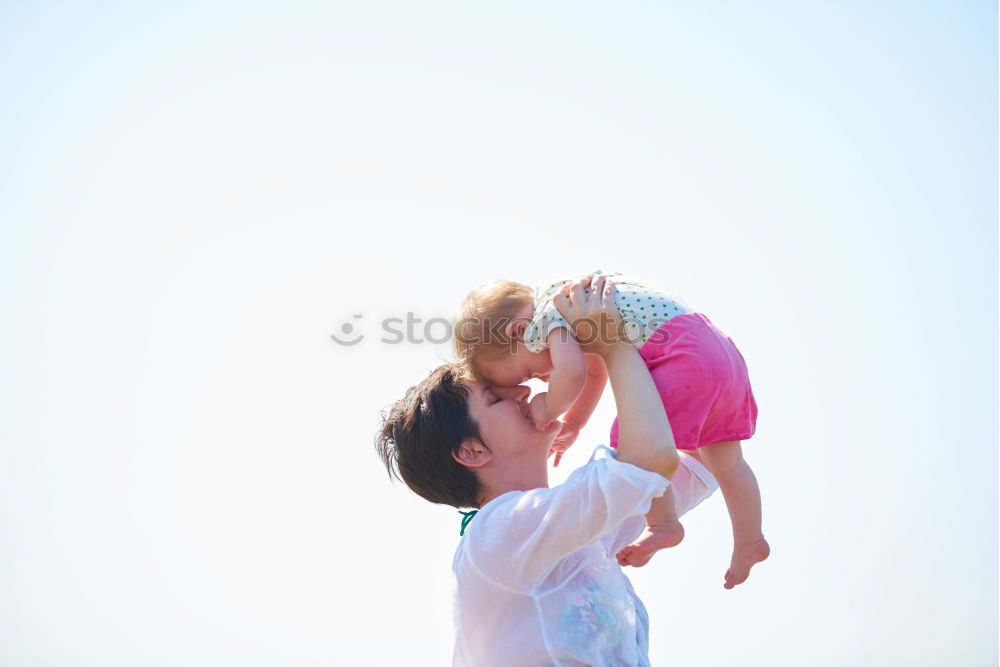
<point x="722" y="457"/>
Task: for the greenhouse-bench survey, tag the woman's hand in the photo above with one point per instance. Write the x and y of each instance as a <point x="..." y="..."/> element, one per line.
<point x="589" y="306"/>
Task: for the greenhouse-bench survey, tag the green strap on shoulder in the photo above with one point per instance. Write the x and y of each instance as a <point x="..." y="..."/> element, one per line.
<point x="466" y="518"/>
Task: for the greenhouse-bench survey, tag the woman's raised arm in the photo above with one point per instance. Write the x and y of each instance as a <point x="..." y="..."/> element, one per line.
<point x="644" y="438"/>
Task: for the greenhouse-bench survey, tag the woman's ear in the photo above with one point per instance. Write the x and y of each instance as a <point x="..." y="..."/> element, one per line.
<point x="472" y="454"/>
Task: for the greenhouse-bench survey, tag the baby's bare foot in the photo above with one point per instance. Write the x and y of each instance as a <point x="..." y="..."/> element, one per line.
<point x="745" y="557"/>
<point x="653" y="539"/>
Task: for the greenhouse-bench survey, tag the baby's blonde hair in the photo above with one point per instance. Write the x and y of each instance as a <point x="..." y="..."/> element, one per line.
<point x="480" y="328"/>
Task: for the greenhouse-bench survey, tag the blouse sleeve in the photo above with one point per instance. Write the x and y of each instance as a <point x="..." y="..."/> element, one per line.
<point x="691" y="484"/>
<point x="544" y="526"/>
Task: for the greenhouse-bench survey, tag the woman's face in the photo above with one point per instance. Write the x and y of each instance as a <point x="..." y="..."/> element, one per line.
<point x="504" y="420"/>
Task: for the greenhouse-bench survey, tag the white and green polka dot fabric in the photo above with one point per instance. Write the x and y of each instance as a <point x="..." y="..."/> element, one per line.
<point x="643" y="309"/>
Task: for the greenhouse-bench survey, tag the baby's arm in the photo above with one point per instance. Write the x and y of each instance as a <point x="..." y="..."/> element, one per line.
<point x="597" y="379"/>
<point x="566" y="381"/>
<point x="577" y="416"/>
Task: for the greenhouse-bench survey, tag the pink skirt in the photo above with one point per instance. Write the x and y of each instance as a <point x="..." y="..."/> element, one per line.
<point x="703" y="382"/>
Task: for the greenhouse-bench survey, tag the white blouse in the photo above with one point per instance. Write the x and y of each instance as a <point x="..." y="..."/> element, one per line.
<point x="537" y="582"/>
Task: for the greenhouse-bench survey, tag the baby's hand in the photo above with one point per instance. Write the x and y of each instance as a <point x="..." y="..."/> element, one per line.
<point x="540" y="412"/>
<point x="567" y="436"/>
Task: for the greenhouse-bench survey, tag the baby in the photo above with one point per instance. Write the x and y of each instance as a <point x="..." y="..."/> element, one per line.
<point x="509" y="333"/>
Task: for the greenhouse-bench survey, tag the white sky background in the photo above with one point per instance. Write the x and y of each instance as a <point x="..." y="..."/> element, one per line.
<point x="193" y="198"/>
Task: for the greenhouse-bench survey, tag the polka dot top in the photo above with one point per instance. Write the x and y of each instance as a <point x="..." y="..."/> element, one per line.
<point x="643" y="309"/>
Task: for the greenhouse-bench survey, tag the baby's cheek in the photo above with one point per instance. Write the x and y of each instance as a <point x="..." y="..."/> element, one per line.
<point x="503" y="378"/>
<point x="505" y="381"/>
<point x="496" y="373"/>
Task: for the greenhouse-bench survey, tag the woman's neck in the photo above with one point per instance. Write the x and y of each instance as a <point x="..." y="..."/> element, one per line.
<point x="498" y="482"/>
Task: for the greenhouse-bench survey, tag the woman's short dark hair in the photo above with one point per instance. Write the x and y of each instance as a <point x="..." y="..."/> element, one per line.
<point x="421" y="431"/>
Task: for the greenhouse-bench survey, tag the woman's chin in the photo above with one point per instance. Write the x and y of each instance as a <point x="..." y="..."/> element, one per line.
<point x="548" y="434"/>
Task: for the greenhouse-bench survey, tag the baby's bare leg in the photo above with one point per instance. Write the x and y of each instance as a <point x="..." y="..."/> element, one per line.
<point x="663" y="530"/>
<point x="739" y="487"/>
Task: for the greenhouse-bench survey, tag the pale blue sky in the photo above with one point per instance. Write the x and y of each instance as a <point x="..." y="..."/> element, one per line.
<point x="194" y="196"/>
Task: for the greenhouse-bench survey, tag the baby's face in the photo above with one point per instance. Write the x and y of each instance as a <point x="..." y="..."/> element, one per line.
<point x="517" y="368"/>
